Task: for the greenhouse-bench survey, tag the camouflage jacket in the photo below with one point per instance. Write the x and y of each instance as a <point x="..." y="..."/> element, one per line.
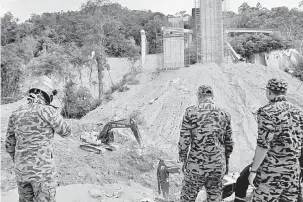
<point x="29" y="140"/>
<point x="206" y="134"/>
<point x="280" y="130"/>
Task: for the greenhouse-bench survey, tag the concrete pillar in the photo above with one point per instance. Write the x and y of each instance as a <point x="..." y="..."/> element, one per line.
<point x="143" y="48"/>
<point x="211" y="31"/>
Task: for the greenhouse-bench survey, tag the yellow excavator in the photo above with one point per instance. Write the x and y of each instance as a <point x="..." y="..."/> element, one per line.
<point x="99" y="141"/>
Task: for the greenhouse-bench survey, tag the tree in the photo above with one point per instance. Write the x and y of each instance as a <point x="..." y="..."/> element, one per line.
<point x="50" y="64"/>
<point x="249" y="44"/>
<point x="133" y="55"/>
<point x="243" y="8"/>
<point x="11" y="72"/>
<point x="9" y="29"/>
<point x="95" y="36"/>
<point x="76" y="58"/>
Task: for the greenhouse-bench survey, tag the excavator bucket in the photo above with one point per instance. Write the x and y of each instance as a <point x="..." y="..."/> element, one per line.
<point x="163" y="171"/>
<point x="162" y="178"/>
<point x="135" y="130"/>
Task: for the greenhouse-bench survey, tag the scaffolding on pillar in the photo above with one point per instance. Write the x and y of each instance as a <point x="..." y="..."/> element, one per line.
<point x="226" y="16"/>
<point x="198" y="31"/>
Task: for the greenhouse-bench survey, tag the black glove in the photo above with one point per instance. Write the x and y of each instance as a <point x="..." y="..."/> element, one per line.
<point x="227" y="166"/>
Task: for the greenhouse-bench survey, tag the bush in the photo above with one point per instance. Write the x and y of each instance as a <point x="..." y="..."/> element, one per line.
<point x="299" y="74"/>
<point x="249" y="44"/>
<point x="299" y="70"/>
<point x="128" y="78"/>
<point x="78" y="101"/>
<point x="11" y="75"/>
<point x="193" y="57"/>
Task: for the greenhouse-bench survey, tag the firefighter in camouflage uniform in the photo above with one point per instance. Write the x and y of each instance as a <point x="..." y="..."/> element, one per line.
<point x="276" y="169"/>
<point x="206" y="134"/>
<point x="29" y="142"/>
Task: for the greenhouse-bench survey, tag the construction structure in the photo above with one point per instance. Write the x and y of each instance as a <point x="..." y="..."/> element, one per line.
<point x="205" y="41"/>
<point x="209" y="31"/>
<point x="173" y="48"/>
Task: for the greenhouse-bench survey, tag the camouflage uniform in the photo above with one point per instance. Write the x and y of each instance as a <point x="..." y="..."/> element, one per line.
<point x="206" y="129"/>
<point x="280" y="130"/>
<point x="29" y="141"/>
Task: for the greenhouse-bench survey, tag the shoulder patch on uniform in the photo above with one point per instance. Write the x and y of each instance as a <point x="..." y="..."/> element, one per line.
<point x="190" y="108"/>
<point x="264" y="108"/>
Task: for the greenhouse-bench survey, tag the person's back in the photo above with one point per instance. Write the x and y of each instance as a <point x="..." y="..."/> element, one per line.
<point x="205" y="146"/>
<point x="34" y="126"/>
<point x="275" y="170"/>
<point x="286" y="122"/>
<point x="29" y="141"/>
<point x="210" y="125"/>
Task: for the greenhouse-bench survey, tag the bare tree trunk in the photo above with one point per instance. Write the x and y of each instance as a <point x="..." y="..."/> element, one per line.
<point x="100" y="75"/>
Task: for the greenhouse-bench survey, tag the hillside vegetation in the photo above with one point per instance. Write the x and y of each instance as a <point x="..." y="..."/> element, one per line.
<point x="61" y="44"/>
<point x="288" y="21"/>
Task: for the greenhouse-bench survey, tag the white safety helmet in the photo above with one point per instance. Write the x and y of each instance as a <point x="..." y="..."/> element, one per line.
<point x="46" y="86"/>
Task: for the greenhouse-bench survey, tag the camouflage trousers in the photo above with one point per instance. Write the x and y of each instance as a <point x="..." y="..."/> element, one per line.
<point x="211" y="180"/>
<point x="37" y="191"/>
<point x="271" y="186"/>
<point x="300" y="199"/>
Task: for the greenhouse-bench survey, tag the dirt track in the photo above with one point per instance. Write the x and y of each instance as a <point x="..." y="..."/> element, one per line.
<point x="238" y="88"/>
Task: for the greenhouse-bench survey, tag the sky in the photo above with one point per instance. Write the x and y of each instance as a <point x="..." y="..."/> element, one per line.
<point x="24" y="8"/>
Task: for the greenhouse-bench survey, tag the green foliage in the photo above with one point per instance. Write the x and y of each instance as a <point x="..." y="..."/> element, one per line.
<point x="129" y="78"/>
<point x="11" y="72"/>
<point x="9" y="29"/>
<point x="133" y="55"/>
<point x="193" y="57"/>
<point x="78" y="101"/>
<point x="50" y="65"/>
<point x="299" y="70"/>
<point x="299" y="74"/>
<point x="249" y="44"/>
<point x="288" y="22"/>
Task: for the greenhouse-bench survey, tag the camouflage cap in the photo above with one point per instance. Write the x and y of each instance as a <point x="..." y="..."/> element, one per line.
<point x="278" y="85"/>
<point x="205" y="90"/>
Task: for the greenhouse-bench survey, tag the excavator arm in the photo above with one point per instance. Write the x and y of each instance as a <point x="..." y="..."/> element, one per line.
<point x="102" y="139"/>
<point x="106" y="136"/>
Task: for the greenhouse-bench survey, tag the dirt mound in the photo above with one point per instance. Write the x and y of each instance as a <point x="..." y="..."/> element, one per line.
<point x="238" y="88"/>
<point x="158" y="104"/>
